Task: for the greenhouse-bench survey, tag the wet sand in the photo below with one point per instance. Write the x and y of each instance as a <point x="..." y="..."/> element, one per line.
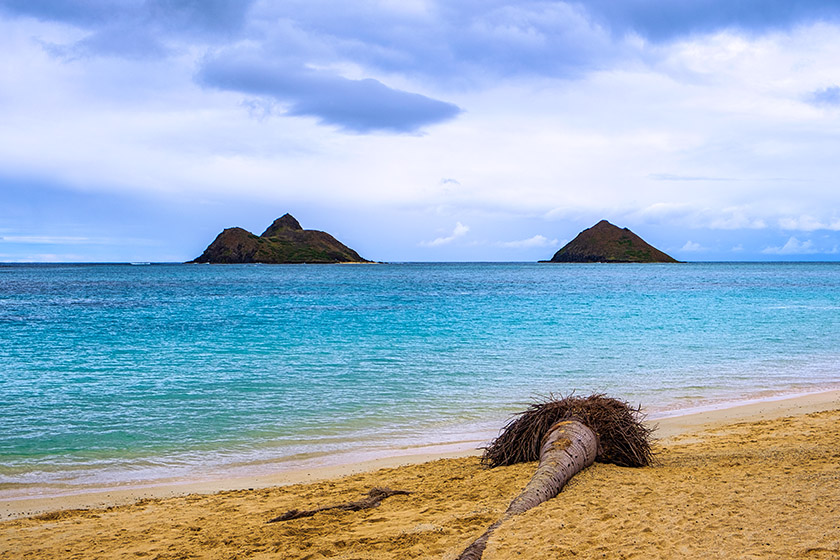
<point x="756" y="481"/>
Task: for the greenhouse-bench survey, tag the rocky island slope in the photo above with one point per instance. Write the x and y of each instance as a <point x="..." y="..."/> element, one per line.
<point x="284" y="242"/>
<point x="605" y="243"/>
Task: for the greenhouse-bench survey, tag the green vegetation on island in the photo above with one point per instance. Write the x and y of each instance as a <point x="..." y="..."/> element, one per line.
<point x="605" y="243"/>
<point x="284" y="242"/>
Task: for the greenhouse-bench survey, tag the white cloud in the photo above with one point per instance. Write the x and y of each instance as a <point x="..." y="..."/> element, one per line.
<point x="737" y="248"/>
<point x="672" y="177"/>
<point x="792" y="247"/>
<point x="56" y="240"/>
<point x="808" y="223"/>
<point x="536" y="241"/>
<point x="736" y="218"/>
<point x="691" y="246"/>
<point x="47" y="257"/>
<point x="459" y="231"/>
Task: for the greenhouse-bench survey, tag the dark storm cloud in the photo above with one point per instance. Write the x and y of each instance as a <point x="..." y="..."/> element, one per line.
<point x="355" y="105"/>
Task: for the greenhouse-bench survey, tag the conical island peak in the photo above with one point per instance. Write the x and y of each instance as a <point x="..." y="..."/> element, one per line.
<point x="284" y="222"/>
<point x="283" y="242"/>
<point x="605" y="243"/>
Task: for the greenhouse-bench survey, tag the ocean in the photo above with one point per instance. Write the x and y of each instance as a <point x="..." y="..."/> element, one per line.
<point x="119" y="374"/>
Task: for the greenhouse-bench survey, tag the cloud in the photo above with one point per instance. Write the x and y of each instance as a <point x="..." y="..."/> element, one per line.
<point x="336" y="60"/>
<point x="691" y="246"/>
<point x="829" y="96"/>
<point x="74" y="240"/>
<point x="536" y="241"/>
<point x="808" y="223"/>
<point x="180" y="16"/>
<point x="736" y="218"/>
<point x="46" y="258"/>
<point x="673" y="177"/>
<point x="663" y="20"/>
<point x="135" y="28"/>
<point x="464" y="42"/>
<point x="119" y="41"/>
<point x="361" y="106"/>
<point x="446" y="41"/>
<point x="792" y="247"/>
<point x="459" y="231"/>
<point x="55" y="240"/>
<point x="692" y="216"/>
<point x="81" y="12"/>
<point x="205" y="16"/>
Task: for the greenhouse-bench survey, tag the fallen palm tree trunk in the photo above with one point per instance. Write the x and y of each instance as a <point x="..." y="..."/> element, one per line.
<point x="566" y="435"/>
<point x="569" y="447"/>
<point x="374" y="497"/>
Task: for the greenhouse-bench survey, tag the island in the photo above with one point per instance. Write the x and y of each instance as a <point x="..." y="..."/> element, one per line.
<point x="607" y="243"/>
<point x="284" y="242"/>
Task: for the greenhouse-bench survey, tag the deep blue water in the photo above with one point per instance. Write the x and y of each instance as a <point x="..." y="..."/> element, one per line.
<point x="120" y="373"/>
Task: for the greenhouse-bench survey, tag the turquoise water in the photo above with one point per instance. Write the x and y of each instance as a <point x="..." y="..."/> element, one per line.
<point x="119" y="374"/>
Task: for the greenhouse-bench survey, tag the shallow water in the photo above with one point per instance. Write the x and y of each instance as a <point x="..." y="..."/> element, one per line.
<point x="117" y="373"/>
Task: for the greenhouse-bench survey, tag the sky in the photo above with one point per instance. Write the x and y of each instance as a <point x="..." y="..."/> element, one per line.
<point x="419" y="130"/>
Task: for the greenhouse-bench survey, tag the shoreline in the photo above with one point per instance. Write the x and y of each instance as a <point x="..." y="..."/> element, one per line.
<point x="668" y="427"/>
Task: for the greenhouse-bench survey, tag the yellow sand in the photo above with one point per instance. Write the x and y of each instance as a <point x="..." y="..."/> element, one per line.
<point x="759" y="489"/>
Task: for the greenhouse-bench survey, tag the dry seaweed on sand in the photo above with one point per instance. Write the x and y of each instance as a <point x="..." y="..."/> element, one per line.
<point x="624" y="440"/>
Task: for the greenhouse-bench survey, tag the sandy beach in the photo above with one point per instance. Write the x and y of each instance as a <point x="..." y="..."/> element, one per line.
<point x="760" y="480"/>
